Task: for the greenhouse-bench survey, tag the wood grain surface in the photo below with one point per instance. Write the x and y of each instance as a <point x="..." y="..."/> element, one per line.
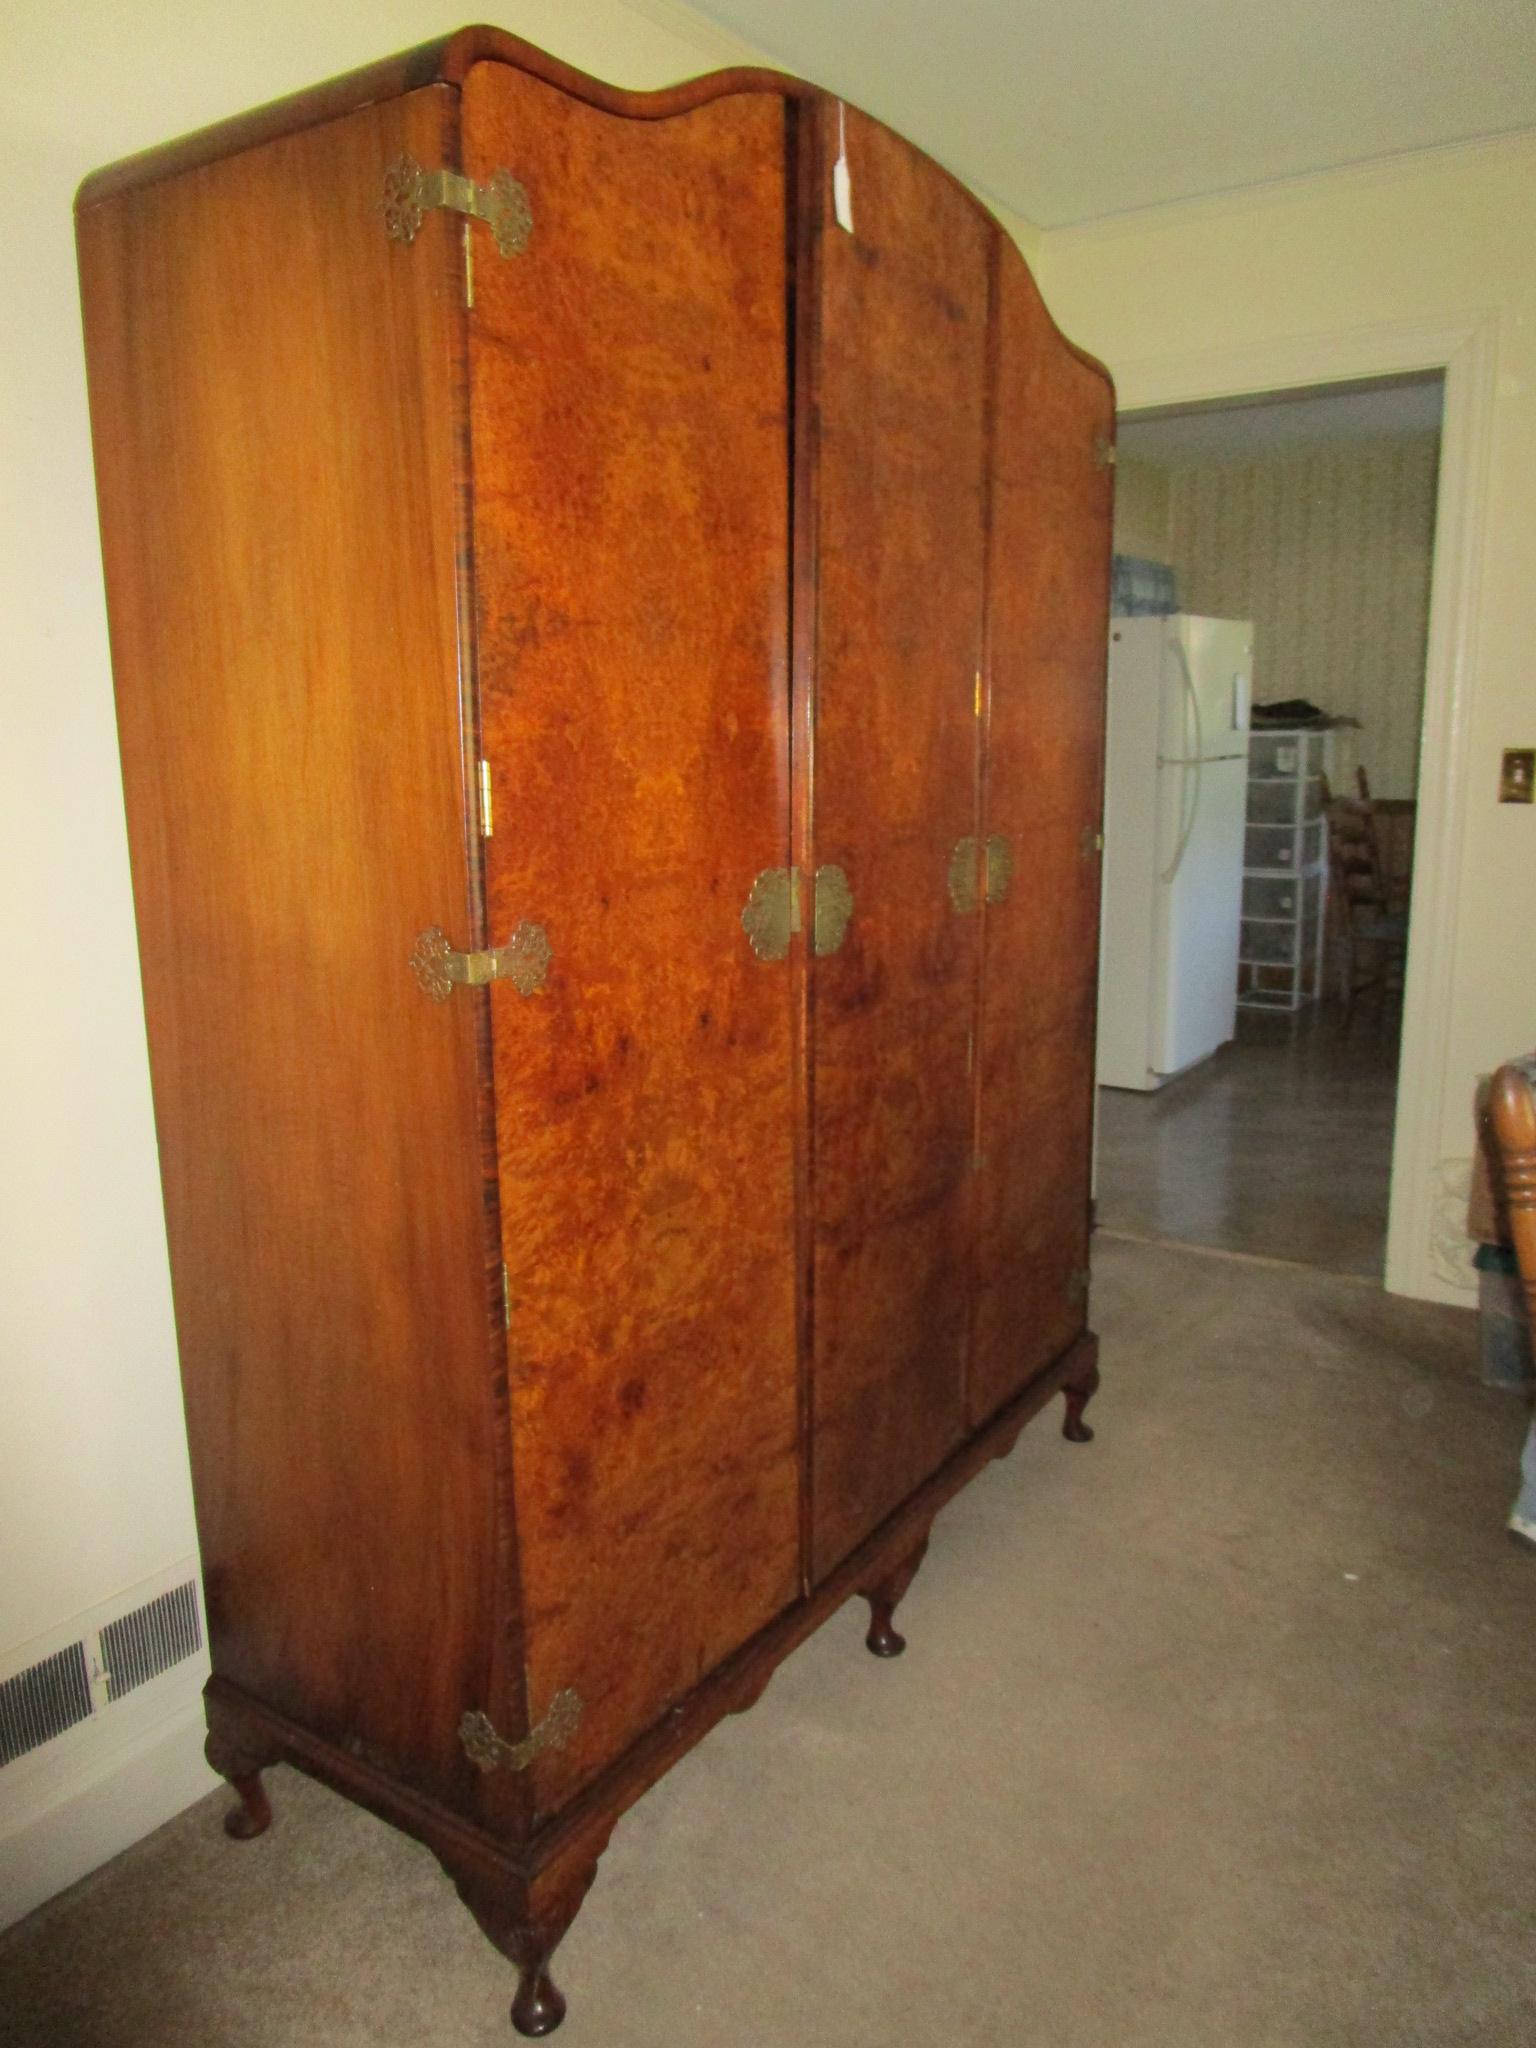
<point x="732" y="536"/>
<point x="630" y="417"/>
<point x="1047" y="624"/>
<point x="900" y="393"/>
<point x="270" y="385"/>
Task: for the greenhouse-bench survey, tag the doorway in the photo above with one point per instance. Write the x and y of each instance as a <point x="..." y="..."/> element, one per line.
<point x="1309" y="516"/>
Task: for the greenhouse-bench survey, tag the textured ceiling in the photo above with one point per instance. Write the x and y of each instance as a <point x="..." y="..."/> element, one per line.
<point x="1069" y="109"/>
<point x="1283" y="425"/>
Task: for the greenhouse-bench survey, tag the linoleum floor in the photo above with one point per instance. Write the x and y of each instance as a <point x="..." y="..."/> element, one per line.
<point x="1280" y="1145"/>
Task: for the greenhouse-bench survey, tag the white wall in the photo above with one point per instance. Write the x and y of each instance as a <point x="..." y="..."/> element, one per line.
<point x="1180" y="298"/>
<point x="94" y="1490"/>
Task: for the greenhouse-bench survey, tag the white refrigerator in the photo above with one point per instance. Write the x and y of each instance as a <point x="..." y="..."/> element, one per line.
<point x="1175" y="800"/>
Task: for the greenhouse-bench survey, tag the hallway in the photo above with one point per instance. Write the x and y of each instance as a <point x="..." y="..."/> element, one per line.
<point x="1280" y="1145"/>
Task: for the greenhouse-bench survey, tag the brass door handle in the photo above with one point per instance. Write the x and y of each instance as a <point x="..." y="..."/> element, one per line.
<point x="771" y="914"/>
<point x="977" y="870"/>
<point x="523" y="960"/>
<point x="833" y="910"/>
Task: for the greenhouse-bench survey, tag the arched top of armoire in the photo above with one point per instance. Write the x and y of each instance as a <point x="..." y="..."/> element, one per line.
<point x="448" y="60"/>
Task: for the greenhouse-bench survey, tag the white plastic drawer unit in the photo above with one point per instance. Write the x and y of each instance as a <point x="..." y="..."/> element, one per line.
<point x="1279" y="899"/>
<point x="1283" y="848"/>
<point x="1274" y="800"/>
<point x="1280" y="962"/>
<point x="1275" y="754"/>
<point x="1270" y="896"/>
<point x="1268" y="945"/>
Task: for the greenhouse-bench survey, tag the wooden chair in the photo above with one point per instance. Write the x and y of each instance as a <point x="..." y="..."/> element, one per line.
<point x="1368" y="937"/>
<point x="1392" y="819"/>
<point x="1512" y="1117"/>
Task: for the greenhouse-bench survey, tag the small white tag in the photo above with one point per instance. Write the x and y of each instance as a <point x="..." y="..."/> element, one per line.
<point x="842" y="194"/>
<point x="842" y="178"/>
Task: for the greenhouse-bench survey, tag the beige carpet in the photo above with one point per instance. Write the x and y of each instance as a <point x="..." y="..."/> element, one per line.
<point x="1214" y="1734"/>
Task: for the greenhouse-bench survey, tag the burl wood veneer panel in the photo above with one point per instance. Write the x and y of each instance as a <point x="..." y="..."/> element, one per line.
<point x="1048" y="603"/>
<point x="900" y="476"/>
<point x="631" y="432"/>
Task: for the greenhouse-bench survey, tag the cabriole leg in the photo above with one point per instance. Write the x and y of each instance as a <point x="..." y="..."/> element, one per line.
<point x="884" y="1597"/>
<point x="1078" y="1394"/>
<point x="240" y="1758"/>
<point x="526" y="1919"/>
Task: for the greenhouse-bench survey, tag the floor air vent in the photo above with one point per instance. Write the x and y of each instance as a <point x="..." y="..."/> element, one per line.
<point x="119" y="1653"/>
<point x="150" y="1639"/>
<point x="43" y="1701"/>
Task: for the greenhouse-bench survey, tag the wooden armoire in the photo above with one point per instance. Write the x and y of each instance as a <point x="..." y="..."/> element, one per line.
<point x="608" y="602"/>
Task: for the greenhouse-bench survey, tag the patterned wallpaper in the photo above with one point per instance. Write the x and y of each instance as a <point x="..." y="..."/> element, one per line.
<point x="1328" y="552"/>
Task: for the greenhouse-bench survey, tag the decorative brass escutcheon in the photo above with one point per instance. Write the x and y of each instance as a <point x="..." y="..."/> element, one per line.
<point x="523" y="960"/>
<point x="833" y="909"/>
<point x="977" y="871"/>
<point x="492" y="1752"/>
<point x="964" y="890"/>
<point x="999" y="867"/>
<point x="410" y="193"/>
<point x="771" y="912"/>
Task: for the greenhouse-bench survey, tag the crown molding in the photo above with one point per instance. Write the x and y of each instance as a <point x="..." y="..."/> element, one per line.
<point x="1397" y="168"/>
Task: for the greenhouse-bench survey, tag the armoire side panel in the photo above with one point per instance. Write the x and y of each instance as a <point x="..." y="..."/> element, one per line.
<point x="1048" y="603"/>
<point x="901" y="376"/>
<point x="272" y="406"/>
<point x="631" y="433"/>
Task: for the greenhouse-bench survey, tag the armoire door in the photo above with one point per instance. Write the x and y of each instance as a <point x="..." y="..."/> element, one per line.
<point x="629" y="403"/>
<point x="1047" y="622"/>
<point x="899" y="472"/>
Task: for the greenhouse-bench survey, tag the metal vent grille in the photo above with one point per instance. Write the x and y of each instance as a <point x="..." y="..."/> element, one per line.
<point x="151" y="1639"/>
<point x="43" y="1701"/>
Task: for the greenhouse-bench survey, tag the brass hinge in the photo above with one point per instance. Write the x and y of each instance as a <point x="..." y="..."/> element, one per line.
<point x="506" y="1298"/>
<point x="1103" y="452"/>
<point x="484" y="1747"/>
<point x="771" y="914"/>
<point x="523" y="960"/>
<point x="1077" y="1284"/>
<point x="485" y="800"/>
<point x="976" y="870"/>
<point x="410" y="193"/>
<point x="1090" y="841"/>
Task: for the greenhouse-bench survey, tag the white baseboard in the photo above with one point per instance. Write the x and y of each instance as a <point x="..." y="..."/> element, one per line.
<point x="95" y="1791"/>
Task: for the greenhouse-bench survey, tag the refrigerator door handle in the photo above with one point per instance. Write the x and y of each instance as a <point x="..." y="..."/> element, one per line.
<point x="1199" y="761"/>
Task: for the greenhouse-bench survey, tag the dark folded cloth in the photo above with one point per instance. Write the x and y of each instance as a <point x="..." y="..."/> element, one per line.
<point x="1290" y="711"/>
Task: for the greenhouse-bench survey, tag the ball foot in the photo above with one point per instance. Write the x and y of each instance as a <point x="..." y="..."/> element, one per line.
<point x="1077" y="1397"/>
<point x="538" y="2007"/>
<point x="253" y="1816"/>
<point x="882" y="1640"/>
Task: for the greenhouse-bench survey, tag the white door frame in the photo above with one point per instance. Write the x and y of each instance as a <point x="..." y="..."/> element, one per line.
<point x="1466" y="350"/>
